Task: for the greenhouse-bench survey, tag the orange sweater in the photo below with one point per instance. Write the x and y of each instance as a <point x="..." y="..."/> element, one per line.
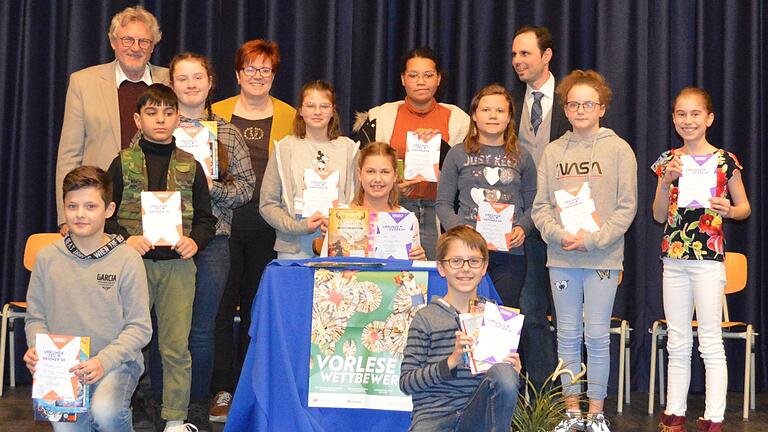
<point x="409" y="119"/>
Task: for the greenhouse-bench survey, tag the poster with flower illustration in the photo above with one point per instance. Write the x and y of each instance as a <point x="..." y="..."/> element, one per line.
<point x="360" y="322"/>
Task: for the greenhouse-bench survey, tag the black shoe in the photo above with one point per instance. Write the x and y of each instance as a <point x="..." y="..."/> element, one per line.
<point x="153" y="409"/>
<point x="141" y="418"/>
<point x="198" y="416"/>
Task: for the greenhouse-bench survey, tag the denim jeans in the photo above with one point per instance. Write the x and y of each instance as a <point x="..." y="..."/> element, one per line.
<point x="110" y="402"/>
<point x="212" y="270"/>
<point x="249" y="257"/>
<point x="584" y="302"/>
<point x="490" y="408"/>
<point x="700" y="284"/>
<point x="536" y="342"/>
<point x="428" y="229"/>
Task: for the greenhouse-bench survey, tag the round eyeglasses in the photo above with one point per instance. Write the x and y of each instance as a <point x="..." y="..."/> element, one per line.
<point x="589" y="106"/>
<point x="128" y="41"/>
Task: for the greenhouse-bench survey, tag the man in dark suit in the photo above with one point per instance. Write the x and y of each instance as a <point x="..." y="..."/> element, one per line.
<point x="540" y="119"/>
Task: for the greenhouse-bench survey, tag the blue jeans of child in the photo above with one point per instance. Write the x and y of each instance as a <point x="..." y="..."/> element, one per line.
<point x="428" y="229"/>
<point x="490" y="408"/>
<point x="110" y="402"/>
<point x="212" y="270"/>
<point x="584" y="302"/>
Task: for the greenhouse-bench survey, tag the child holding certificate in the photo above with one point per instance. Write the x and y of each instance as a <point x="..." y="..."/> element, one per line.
<point x="308" y="173"/>
<point x="192" y="79"/>
<point x="585" y="202"/>
<point x="495" y="180"/>
<point x="377" y="192"/>
<point x="416" y="122"/>
<point x="90" y="284"/>
<point x="692" y="251"/>
<point x="446" y="396"/>
<point x="144" y="174"/>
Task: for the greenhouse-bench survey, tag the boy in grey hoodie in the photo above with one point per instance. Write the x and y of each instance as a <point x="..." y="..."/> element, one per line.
<point x="91" y="284"/>
<point x="586" y="200"/>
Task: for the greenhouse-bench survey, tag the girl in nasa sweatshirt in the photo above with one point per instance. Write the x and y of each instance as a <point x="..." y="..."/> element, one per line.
<point x="586" y="200"/>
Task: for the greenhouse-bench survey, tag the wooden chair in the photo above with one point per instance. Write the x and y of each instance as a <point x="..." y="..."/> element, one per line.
<point x="736" y="280"/>
<point x="17" y="310"/>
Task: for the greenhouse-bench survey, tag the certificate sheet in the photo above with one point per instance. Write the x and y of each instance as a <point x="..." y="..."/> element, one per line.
<point x="698" y="182"/>
<point x="200" y="139"/>
<point x="494" y="223"/>
<point x="577" y="209"/>
<point x="497" y="336"/>
<point x="161" y="217"/>
<point x="56" y="391"/>
<point x="394" y="234"/>
<point x="321" y="192"/>
<point x="422" y="159"/>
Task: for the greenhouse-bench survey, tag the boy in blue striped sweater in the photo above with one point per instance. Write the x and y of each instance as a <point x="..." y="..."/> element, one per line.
<point x="446" y="396"/>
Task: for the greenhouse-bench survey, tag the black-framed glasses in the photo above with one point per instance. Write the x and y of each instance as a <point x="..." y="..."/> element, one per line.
<point x="588" y="106"/>
<point x="263" y="71"/>
<point x="128" y="41"/>
<point x="457" y="263"/>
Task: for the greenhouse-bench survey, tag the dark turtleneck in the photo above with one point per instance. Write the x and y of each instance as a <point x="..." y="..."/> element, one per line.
<point x="158" y="157"/>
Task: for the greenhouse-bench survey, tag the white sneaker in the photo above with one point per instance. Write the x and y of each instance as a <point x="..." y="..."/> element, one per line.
<point x="573" y="421"/>
<point x="179" y="426"/>
<point x="597" y="423"/>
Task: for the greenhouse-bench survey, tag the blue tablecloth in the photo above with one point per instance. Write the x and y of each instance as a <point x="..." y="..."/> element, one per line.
<point x="272" y="392"/>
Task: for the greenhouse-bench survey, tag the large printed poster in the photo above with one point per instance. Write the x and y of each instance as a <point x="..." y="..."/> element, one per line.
<point x="360" y="322"/>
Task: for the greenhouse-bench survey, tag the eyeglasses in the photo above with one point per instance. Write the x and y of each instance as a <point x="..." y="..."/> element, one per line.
<point x="251" y="71"/>
<point x="128" y="41"/>
<point x="324" y="107"/>
<point x="589" y="106"/>
<point x="414" y="76"/>
<point x="457" y="263"/>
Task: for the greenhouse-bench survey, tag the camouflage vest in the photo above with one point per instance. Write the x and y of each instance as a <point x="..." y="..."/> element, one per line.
<point x="181" y="177"/>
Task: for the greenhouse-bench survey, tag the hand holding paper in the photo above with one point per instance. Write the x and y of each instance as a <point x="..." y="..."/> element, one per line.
<point x="321" y="192"/>
<point x="161" y="217"/>
<point x="577" y="209"/>
<point x="422" y="159"/>
<point x="698" y="181"/>
<point x="494" y="223"/>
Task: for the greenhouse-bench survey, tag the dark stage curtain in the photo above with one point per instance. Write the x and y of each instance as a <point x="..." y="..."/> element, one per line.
<point x="648" y="50"/>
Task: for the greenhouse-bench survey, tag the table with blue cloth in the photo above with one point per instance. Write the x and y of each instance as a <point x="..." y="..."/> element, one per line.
<point x="272" y="392"/>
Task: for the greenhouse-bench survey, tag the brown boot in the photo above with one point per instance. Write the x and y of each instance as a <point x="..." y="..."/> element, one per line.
<point x="708" y="426"/>
<point x="671" y="423"/>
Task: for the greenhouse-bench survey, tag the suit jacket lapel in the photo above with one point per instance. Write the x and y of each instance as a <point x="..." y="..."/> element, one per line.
<point x="108" y="90"/>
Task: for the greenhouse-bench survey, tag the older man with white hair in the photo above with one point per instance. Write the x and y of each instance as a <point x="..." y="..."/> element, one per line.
<point x="101" y="99"/>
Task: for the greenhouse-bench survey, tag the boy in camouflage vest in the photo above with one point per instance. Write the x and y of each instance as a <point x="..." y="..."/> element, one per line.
<point x="153" y="163"/>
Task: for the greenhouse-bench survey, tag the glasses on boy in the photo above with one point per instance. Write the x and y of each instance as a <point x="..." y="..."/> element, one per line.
<point x="457" y="263"/>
